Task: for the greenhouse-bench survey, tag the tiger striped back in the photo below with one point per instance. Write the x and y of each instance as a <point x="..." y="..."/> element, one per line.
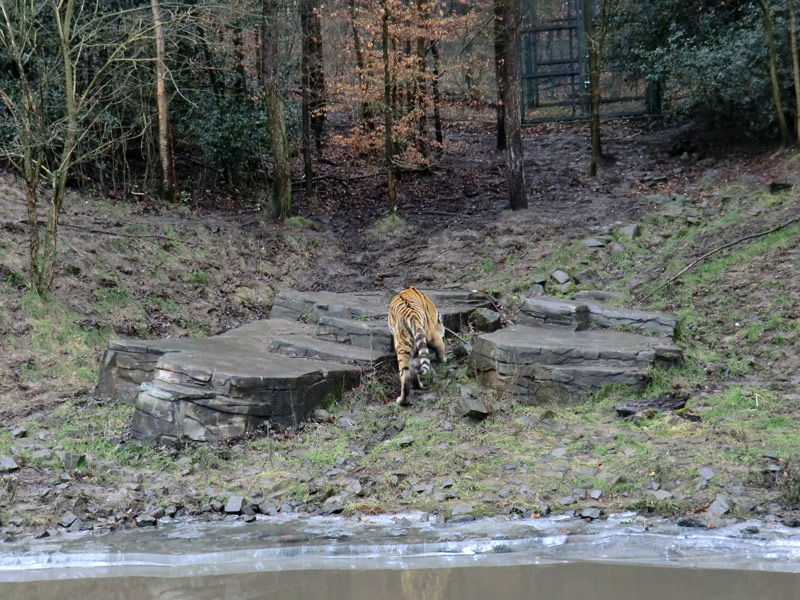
<point x="415" y="325"/>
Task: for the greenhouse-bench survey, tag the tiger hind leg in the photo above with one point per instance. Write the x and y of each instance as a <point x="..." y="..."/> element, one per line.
<point x="407" y="375"/>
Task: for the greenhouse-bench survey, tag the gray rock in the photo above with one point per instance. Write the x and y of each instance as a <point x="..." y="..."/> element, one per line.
<point x="76" y="525"/>
<point x="216" y="505"/>
<point x="695" y="522"/>
<point x="8" y="464"/>
<point x="566" y="500"/>
<point x="616" y="248"/>
<point x="661" y="494"/>
<point x="536" y="289"/>
<point x="558" y="452"/>
<point x="471" y="406"/>
<point x="320" y="414"/>
<point x="705" y="473"/>
<point x="234" y="505"/>
<point x="333" y="505"/>
<point x="19" y="431"/>
<point x="268" y="508"/>
<point x="597" y="295"/>
<point x="590" y="513"/>
<point x="593" y="243"/>
<point x="565" y="288"/>
<point x="560" y="276"/>
<point x="526" y="421"/>
<point x="146" y="521"/>
<point x="547" y="311"/>
<point x="588" y="277"/>
<point x="67" y="519"/>
<point x="484" y="319"/>
<point x="595" y="494"/>
<point x="538" y="279"/>
<point x="461" y="509"/>
<point x="71" y="460"/>
<point x="629" y="231"/>
<point x="720" y="505"/>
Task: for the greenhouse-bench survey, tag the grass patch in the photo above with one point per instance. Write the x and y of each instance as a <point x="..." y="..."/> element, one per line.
<point x="64" y="349"/>
<point x="388" y="224"/>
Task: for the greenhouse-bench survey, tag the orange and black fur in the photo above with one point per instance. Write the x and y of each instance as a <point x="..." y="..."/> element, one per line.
<point x="415" y="325"/>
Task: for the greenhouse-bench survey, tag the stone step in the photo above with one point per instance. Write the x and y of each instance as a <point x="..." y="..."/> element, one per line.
<point x="579" y="315"/>
<point x="455" y="306"/>
<point x="567" y="363"/>
<point x="311" y="306"/>
<point x="537" y="384"/>
<point x="306" y="346"/>
<point x="374" y="335"/>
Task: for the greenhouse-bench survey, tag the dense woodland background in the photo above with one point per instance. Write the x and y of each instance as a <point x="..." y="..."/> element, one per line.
<point x="230" y="102"/>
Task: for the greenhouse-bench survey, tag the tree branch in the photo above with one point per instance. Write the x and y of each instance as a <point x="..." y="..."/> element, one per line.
<point x="718" y="249"/>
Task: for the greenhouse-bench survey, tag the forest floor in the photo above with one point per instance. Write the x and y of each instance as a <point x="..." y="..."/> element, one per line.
<point x="139" y="268"/>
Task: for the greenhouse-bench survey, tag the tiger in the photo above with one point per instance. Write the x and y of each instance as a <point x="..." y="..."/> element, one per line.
<point x="415" y="325"/>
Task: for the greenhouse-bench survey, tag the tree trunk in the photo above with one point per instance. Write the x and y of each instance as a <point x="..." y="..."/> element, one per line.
<point x="594" y="49"/>
<point x="513" y="118"/>
<point x="769" y="30"/>
<point x="437" y="100"/>
<point x="388" y="109"/>
<point x="795" y="67"/>
<point x="316" y="76"/>
<point x="500" y="70"/>
<point x="166" y="157"/>
<point x="279" y="139"/>
<point x="422" y="88"/>
<point x="366" y="112"/>
<point x="306" y="6"/>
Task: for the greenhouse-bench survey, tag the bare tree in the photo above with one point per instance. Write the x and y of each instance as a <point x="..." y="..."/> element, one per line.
<point x="388" y="110"/>
<point x="769" y="31"/>
<point x="596" y="29"/>
<point x="279" y="139"/>
<point x="500" y="69"/>
<point x="511" y="101"/>
<point x="795" y="66"/>
<point x="52" y="136"/>
<point x="166" y="156"/>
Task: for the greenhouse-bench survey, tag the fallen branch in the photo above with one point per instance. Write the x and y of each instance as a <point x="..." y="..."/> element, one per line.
<point x="718" y="249"/>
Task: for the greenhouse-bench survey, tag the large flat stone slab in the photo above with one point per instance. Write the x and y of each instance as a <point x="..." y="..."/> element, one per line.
<point x="206" y="397"/>
<point x="127" y="363"/>
<point x="542" y="362"/>
<point x="578" y="315"/>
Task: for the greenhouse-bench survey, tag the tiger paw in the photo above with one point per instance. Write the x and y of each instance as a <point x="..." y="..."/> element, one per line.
<point x="401" y="401"/>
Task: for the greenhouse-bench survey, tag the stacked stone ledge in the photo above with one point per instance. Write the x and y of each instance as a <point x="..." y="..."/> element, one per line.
<point x="313" y="348"/>
<point x="561" y="350"/>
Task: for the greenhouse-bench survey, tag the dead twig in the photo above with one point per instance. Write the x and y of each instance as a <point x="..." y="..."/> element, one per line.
<point x="719" y="249"/>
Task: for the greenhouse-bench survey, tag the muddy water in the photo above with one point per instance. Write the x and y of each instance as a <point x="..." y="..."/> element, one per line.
<point x="409" y="558"/>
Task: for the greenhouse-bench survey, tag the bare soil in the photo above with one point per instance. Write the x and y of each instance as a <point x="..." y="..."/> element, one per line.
<point x="138" y="268"/>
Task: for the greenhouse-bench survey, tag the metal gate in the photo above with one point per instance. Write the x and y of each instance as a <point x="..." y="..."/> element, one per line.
<point x="555" y="67"/>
